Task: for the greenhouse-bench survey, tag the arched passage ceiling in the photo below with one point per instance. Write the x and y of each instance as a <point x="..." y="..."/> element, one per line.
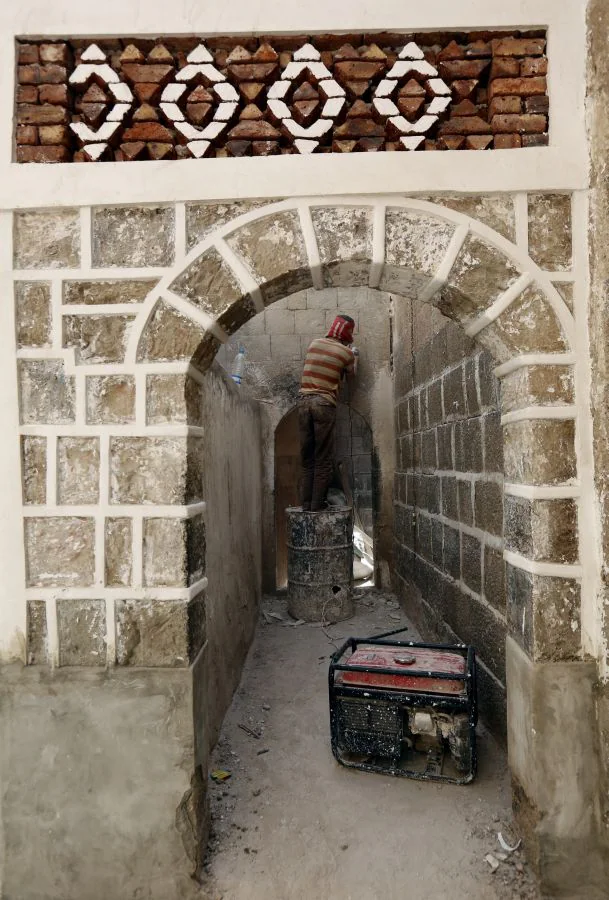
<point x="413" y="248"/>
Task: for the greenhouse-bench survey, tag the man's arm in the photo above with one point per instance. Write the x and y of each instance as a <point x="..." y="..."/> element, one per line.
<point x="352" y="367"/>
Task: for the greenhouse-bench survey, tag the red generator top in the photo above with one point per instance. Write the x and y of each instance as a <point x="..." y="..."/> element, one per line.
<point x="421" y="659"/>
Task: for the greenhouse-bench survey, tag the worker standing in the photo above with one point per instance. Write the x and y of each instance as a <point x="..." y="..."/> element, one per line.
<point x="327" y="361"/>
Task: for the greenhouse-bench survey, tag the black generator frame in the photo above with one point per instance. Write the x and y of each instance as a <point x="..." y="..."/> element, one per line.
<point x="400" y="699"/>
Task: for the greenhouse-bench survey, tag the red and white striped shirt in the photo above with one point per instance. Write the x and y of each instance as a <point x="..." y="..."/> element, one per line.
<point x="324" y="364"/>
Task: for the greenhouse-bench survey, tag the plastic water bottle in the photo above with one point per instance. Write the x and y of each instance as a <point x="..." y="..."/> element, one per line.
<point x="239" y="365"/>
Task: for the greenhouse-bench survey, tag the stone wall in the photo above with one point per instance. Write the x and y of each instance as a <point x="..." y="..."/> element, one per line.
<point x="504" y="267"/>
<point x="598" y="95"/>
<point x="449" y="493"/>
<point x="231" y="460"/>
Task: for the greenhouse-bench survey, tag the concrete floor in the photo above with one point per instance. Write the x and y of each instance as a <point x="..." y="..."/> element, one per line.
<point x="291" y="824"/>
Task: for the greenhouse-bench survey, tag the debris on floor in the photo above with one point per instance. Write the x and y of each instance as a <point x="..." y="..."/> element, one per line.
<point x="291" y="824"/>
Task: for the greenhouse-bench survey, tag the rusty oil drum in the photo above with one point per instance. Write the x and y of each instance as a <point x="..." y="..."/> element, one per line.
<point x="320" y="564"/>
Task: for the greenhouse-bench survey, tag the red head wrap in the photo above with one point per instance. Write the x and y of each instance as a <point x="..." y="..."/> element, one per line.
<point x="342" y="329"/>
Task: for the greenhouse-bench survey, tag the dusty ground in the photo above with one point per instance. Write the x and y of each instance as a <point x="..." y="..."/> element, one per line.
<point x="291" y="824"/>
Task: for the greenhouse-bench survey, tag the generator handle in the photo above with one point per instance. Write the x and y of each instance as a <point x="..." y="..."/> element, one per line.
<point x="350" y="642"/>
<point x="375" y="637"/>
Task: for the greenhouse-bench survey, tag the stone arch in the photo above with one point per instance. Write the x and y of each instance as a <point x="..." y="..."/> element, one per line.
<point x="424" y="251"/>
<point x="414" y="248"/>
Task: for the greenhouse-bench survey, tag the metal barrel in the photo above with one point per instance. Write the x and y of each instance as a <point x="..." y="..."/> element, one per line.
<point x="320" y="564"/>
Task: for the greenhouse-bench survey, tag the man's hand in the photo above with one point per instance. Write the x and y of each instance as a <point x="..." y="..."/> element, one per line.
<point x="355" y="352"/>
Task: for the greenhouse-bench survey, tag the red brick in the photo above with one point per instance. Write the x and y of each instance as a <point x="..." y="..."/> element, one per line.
<point x="27" y="54"/>
<point x="54" y="53"/>
<point x="265" y="53"/>
<point x="355" y="89"/>
<point x="147" y="74"/>
<point x="53" y="74"/>
<point x="478" y="141"/>
<point x="346" y="52"/>
<point x="502" y="105"/>
<point x="54" y="93"/>
<point x="131" y="54"/>
<point x="93" y="112"/>
<point x="465" y="125"/>
<point x="265" y="148"/>
<point x="451" y="142"/>
<point x="451" y="51"/>
<point x="507" y="141"/>
<point x="524" y="124"/>
<point x="358" y="128"/>
<point x="370" y="144"/>
<point x="54" y="134"/>
<point x="360" y="110"/>
<point x="519" y="47"/>
<point x="148" y="131"/>
<point x="148" y="93"/>
<point x="521" y="87"/>
<point x="254" y="130"/>
<point x="343" y="146"/>
<point x="463" y="90"/>
<point x="255" y="72"/>
<point x="463" y="68"/>
<point x="478" y="49"/>
<point x="410" y="106"/>
<point x="539" y="104"/>
<point x="145" y="113"/>
<point x="27" y="134"/>
<point x="534" y="65"/>
<point x="27" y="93"/>
<point x="289" y="41"/>
<point x="28" y="114"/>
<point x="49" y="154"/>
<point x="239" y="148"/>
<point x="358" y="71"/>
<point x="133" y="150"/>
<point x="251" y="90"/>
<point x="465" y="108"/>
<point x="29" y="74"/>
<point x="534" y="140"/>
<point x="504" y="67"/>
<point x="160" y="150"/>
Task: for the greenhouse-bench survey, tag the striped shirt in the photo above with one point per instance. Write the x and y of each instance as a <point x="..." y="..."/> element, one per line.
<point x="324" y="364"/>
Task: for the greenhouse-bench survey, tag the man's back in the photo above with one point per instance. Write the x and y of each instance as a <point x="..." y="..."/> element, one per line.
<point x="325" y="362"/>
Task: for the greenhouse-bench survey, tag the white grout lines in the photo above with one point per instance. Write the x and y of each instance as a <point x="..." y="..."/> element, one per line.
<point x="517" y="253"/>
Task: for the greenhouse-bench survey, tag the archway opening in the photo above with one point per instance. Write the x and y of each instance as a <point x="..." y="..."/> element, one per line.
<point x="492" y="289"/>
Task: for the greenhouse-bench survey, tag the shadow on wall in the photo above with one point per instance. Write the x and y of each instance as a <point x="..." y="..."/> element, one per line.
<point x="353" y="448"/>
<point x="227" y="461"/>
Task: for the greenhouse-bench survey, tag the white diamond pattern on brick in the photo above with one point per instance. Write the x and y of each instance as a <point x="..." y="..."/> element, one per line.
<point x="307" y="59"/>
<point x="96" y="140"/>
<point x="200" y="63"/>
<point x="411" y="61"/>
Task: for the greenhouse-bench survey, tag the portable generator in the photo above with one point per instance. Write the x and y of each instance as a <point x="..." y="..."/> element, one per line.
<point x="404" y="708"/>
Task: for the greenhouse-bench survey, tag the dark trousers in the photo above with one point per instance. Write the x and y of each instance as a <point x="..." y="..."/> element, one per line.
<point x="316" y="422"/>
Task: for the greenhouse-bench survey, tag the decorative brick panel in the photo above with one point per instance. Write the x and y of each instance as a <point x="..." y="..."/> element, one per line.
<point x="135" y="99"/>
